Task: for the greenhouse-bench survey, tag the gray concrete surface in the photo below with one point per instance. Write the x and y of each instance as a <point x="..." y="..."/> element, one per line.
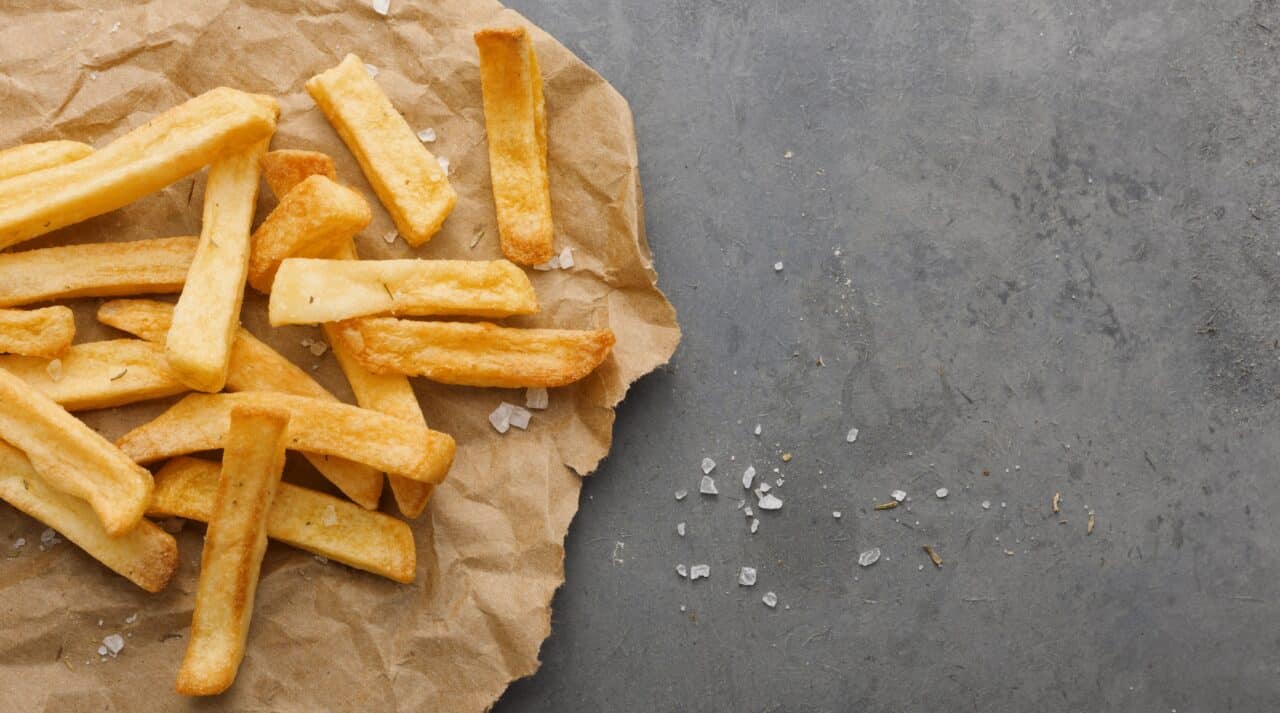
<point x="1037" y="238"/>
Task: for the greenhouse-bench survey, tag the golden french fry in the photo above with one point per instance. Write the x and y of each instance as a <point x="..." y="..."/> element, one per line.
<point x="515" y="118"/>
<point x="170" y="146"/>
<point x="254" y="366"/>
<point x="404" y="174"/>
<point x="146" y="555"/>
<point x="303" y="518"/>
<point x="98" y="375"/>
<point x="95" y="270"/>
<point x="44" y="332"/>
<point x="199" y="423"/>
<point x="475" y="353"/>
<point x="71" y="457"/>
<point x="29" y="158"/>
<point x="234" y="543"/>
<point x="207" y="315"/>
<point x="311" y="291"/>
<point x="313" y="219"/>
<point x="286" y="168"/>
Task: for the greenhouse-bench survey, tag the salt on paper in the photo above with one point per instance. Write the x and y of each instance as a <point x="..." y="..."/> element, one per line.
<point x="520" y="417"/>
<point x="444" y="164"/>
<point x="699" y="571"/>
<point x="371" y="70"/>
<point x="19" y="543"/>
<point x="382" y="7"/>
<point x="552" y="264"/>
<point x="680" y="528"/>
<point x="755" y="525"/>
<point x="758" y="430"/>
<point x="318" y="348"/>
<point x="536" y="398"/>
<point x="941" y="493"/>
<point x="986" y="504"/>
<point x="390" y="237"/>
<point x="777" y="266"/>
<point x="566" y="258"/>
<point x="113" y="644"/>
<point x="681" y="494"/>
<point x="747" y="576"/>
<point x="748" y="476"/>
<point x="851" y="436"/>
<point x="870" y="557"/>
<point x="708" y="465"/>
<point x="500" y="418"/>
<point x="427" y="135"/>
<point x="898" y="495"/>
<point x="49" y="538"/>
<point x="682" y="570"/>
<point x="764" y="488"/>
<point x="770" y="599"/>
<point x="708" y="486"/>
<point x="837" y="514"/>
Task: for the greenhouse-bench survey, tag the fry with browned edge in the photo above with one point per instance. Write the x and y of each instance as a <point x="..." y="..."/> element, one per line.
<point x="44" y="332"/>
<point x="313" y="219"/>
<point x="29" y="158"/>
<point x="98" y="375"/>
<point x="285" y="168"/>
<point x="95" y="270"/>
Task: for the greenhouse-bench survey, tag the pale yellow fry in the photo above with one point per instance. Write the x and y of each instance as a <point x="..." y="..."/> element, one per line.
<point x="404" y="174"/>
<point x="303" y="518"/>
<point x="233" y="547"/>
<point x="146" y="555"/>
<point x="44" y="332"/>
<point x="98" y="375"/>
<point x="208" y="311"/>
<point x="475" y="353"/>
<point x="95" y="270"/>
<point x="312" y="220"/>
<point x="199" y="423"/>
<point x="29" y="158"/>
<point x="170" y="146"/>
<point x="286" y="168"/>
<point x="71" y="457"/>
<point x="515" y="118"/>
<point x="254" y="366"/>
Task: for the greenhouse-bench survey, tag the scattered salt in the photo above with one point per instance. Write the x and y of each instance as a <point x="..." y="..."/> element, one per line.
<point x="681" y="493"/>
<point x="749" y="512"/>
<point x="552" y="264"/>
<point x="19" y="543"/>
<point x="777" y="266"/>
<point x="318" y="348"/>
<point x="851" y="436"/>
<point x="699" y="571"/>
<point x="427" y="135"/>
<point x="390" y="237"/>
<point x="758" y="429"/>
<point x="382" y="7"/>
<point x="708" y="486"/>
<point x="500" y="418"/>
<point x="898" y="495"/>
<point x="114" y="644"/>
<point x="54" y="369"/>
<point x="764" y="488"/>
<point x="114" y="28"/>
<point x="1004" y="504"/>
<point x="330" y="516"/>
<point x="566" y="258"/>
<point x="770" y="502"/>
<point x="536" y="398"/>
<point x="788" y="154"/>
<point x="747" y="576"/>
<point x="444" y="164"/>
<point x="371" y="70"/>
<point x="755" y="525"/>
<point x="770" y="599"/>
<point x="748" y="476"/>
<point x="321" y="559"/>
<point x="708" y="465"/>
<point x="49" y="538"/>
<point x="682" y="570"/>
<point x="836" y="514"/>
<point x="941" y="492"/>
<point x="520" y="417"/>
<point x="131" y="618"/>
<point x="680" y="527"/>
<point x="870" y="557"/>
<point x="986" y="504"/>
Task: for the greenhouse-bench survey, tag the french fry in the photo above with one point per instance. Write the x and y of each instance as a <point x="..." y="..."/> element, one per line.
<point x="311" y="291"/>
<point x="95" y="270"/>
<point x="207" y="315"/>
<point x="146" y="555"/>
<point x="286" y="168"/>
<point x="404" y="174"/>
<point x="475" y="353"/>
<point x="199" y="423"/>
<point x="97" y="375"/>
<point x="303" y="518"/>
<point x="170" y="146"/>
<point x="29" y="158"/>
<point x="73" y="458"/>
<point x="312" y="220"/>
<point x="233" y="547"/>
<point x="254" y="366"/>
<point x="44" y="332"/>
<point x="515" y="118"/>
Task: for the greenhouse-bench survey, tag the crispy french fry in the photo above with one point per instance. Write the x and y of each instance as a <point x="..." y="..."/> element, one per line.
<point x="404" y="174"/>
<point x="254" y="367"/>
<point x="98" y="375"/>
<point x="515" y="118"/>
<point x="233" y="547"/>
<point x="310" y="291"/>
<point x="146" y="555"/>
<point x="303" y="518"/>
<point x="475" y="354"/>
<point x="71" y="457"/>
<point x="95" y="270"/>
<point x="150" y="157"/>
<point x="199" y="423"/>
<point x="207" y="315"/>
<point x="312" y="220"/>
<point x="29" y="158"/>
<point x="286" y="168"/>
<point x="44" y="332"/>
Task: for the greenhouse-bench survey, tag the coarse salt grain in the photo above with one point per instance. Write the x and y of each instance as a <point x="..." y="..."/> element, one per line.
<point x="708" y="486"/>
<point x="941" y="492"/>
<point x="552" y="264"/>
<point x="54" y="369"/>
<point x="500" y="418"/>
<point x="49" y="538"/>
<point x="318" y="348"/>
<point x="427" y="135"/>
<point x="321" y="559"/>
<point x="770" y="502"/>
<point x="19" y="543"/>
<point x="536" y="398"/>
<point x="764" y="488"/>
<point x="382" y="7"/>
<point x="770" y="599"/>
<point x="870" y="557"/>
<point x="681" y="493"/>
<point x="777" y="266"/>
<point x="520" y="417"/>
<point x="986" y="504"/>
<point x="748" y="476"/>
<point x="114" y="28"/>
<point x="390" y="237"/>
<point x="748" y="512"/>
<point x="444" y="164"/>
<point x="755" y="525"/>
<point x="680" y="528"/>
<point x="371" y="70"/>
<point x="114" y="644"/>
<point x="708" y="465"/>
<point x="330" y="516"/>
<point x="758" y="430"/>
<point x="566" y="258"/>
<point x="699" y="571"/>
<point x="682" y="570"/>
<point x="898" y="495"/>
<point x="837" y="514"/>
<point x="851" y="436"/>
<point x="747" y="576"/>
<point x="131" y="618"/>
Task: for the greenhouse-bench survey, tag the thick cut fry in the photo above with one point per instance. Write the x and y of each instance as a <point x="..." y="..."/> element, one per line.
<point x="208" y="312"/>
<point x="29" y="158"/>
<point x="45" y="332"/>
<point x="303" y="518"/>
<point x="286" y="168"/>
<point x="163" y="150"/>
<point x="95" y="270"/>
<point x="515" y="118"/>
<point x="475" y="354"/>
<point x="98" y="375"/>
<point x="199" y="423"/>
<point x="308" y="291"/>
<point x="71" y="457"/>
<point x="404" y="174"/>
<point x="146" y="555"/>
<point x="233" y="547"/>
<point x="312" y="220"/>
<point x="254" y="367"/>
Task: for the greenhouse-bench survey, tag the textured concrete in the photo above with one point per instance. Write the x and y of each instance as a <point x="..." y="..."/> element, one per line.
<point x="1037" y="238"/>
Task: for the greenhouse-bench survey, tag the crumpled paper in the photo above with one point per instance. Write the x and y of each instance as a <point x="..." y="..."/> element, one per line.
<point x="490" y="547"/>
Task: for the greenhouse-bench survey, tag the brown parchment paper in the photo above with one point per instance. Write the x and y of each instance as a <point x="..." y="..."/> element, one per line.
<point x="490" y="547"/>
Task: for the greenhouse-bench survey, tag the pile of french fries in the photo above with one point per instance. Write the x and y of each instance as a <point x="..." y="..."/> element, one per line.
<point x="250" y="402"/>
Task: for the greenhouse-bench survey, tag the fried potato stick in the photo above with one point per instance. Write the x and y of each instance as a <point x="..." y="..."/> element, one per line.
<point x="29" y="158"/>
<point x="146" y="555"/>
<point x="404" y="174"/>
<point x="313" y="219"/>
<point x="515" y="118"/>
<point x="233" y="547"/>
<point x="44" y="332"/>
<point x="98" y="375"/>
<point x="95" y="270"/>
<point x="303" y="518"/>
<point x="170" y="146"/>
<point x="286" y="168"/>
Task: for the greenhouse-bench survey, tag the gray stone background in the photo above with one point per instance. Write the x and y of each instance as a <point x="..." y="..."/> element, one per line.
<point x="1033" y="237"/>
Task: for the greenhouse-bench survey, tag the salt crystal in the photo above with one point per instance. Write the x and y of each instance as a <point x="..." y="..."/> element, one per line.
<point x="536" y="398"/>
<point x="114" y="644"/>
<point x="321" y="559"/>
<point x="19" y="543"/>
<point x="941" y="492"/>
<point x="770" y="502"/>
<point x="102" y="651"/>
<point x="99" y="623"/>
<point x="747" y="576"/>
<point x="427" y="135"/>
<point x="500" y="419"/>
<point x="764" y="488"/>
<point x="371" y="70"/>
<point x="330" y="516"/>
<point x="680" y="529"/>
<point x="683" y="608"/>
<point x="566" y="258"/>
<point x="898" y="495"/>
<point x="114" y="28"/>
<point x="681" y="493"/>
<point x="870" y="557"/>
<point x="54" y="369"/>
<point x="788" y="154"/>
<point x="758" y="429"/>
<point x="986" y="504"/>
<point x="748" y="512"/>
<point x="755" y="525"/>
<point x="520" y="417"/>
<point x="748" y="476"/>
<point x="49" y="538"/>
<point x="836" y="514"/>
<point x="444" y="164"/>
<point x="552" y="264"/>
<point x="390" y="237"/>
<point x="699" y="571"/>
<point x="382" y="7"/>
<point x="770" y="599"/>
<point x="131" y="618"/>
<point x="318" y="348"/>
<point x="708" y="486"/>
<point x="851" y="436"/>
<point x="1004" y="504"/>
<point x="682" y="570"/>
<point x="777" y="266"/>
<point x="708" y="465"/>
